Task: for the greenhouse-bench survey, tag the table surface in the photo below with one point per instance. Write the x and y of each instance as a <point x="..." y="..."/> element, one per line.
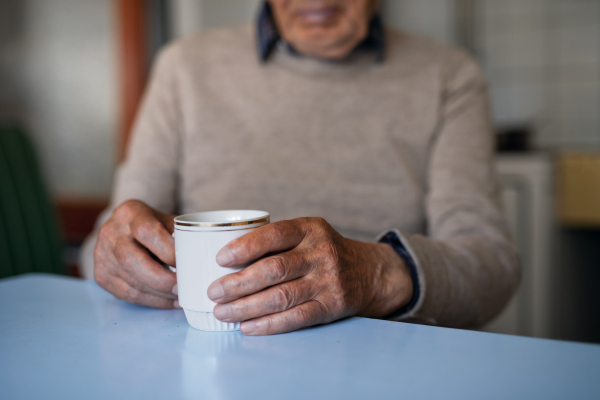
<point x="66" y="338"/>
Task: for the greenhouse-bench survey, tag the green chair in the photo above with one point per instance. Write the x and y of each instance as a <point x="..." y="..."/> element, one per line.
<point x="30" y="239"/>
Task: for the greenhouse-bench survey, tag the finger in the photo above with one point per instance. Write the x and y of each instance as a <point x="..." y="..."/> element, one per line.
<point x="168" y="221"/>
<point x="121" y="289"/>
<point x="107" y="265"/>
<point x="152" y="234"/>
<point x="267" y="272"/>
<point x="272" y="300"/>
<point x="278" y="236"/>
<point x="136" y="262"/>
<point x="306" y="314"/>
<point x="134" y="283"/>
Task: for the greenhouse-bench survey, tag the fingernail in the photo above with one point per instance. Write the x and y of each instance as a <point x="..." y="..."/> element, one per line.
<point x="248" y="327"/>
<point x="215" y="291"/>
<point x="224" y="257"/>
<point x="174" y="290"/>
<point x="176" y="304"/>
<point x="222" y="312"/>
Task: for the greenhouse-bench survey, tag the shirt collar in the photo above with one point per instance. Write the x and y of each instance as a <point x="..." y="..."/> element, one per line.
<point x="268" y="36"/>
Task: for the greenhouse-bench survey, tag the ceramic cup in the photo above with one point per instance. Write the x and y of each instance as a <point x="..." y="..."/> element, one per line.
<point x="198" y="239"/>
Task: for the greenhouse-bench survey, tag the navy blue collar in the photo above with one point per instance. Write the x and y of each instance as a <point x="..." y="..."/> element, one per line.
<point x="268" y="36"/>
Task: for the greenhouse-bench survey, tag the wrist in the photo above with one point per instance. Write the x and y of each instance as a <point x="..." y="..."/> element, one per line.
<point x="393" y="239"/>
<point x="392" y="285"/>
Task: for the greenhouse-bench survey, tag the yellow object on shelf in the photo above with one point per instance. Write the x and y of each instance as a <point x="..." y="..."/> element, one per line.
<point x="579" y="189"/>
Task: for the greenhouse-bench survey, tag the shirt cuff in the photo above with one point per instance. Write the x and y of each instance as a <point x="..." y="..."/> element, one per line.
<point x="392" y="238"/>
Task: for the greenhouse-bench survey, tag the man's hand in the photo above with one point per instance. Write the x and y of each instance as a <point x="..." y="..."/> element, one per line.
<point x="123" y="264"/>
<point x="310" y="275"/>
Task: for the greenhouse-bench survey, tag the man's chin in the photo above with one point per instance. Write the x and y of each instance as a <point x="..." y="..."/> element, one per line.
<point x="322" y="43"/>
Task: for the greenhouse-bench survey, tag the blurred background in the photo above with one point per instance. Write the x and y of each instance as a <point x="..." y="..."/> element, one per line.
<point x="72" y="73"/>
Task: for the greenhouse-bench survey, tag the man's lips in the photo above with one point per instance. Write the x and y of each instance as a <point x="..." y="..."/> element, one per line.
<point x="318" y="15"/>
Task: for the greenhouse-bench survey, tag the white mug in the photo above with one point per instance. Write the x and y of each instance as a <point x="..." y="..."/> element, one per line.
<point x="198" y="239"/>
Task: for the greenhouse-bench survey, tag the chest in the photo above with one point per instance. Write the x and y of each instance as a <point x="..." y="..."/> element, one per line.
<point x="320" y="146"/>
<point x="373" y="118"/>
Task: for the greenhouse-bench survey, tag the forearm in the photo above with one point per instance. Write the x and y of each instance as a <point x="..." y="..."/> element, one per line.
<point x="467" y="280"/>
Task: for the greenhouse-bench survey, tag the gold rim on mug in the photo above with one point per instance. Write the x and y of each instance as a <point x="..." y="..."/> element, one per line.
<point x="211" y="224"/>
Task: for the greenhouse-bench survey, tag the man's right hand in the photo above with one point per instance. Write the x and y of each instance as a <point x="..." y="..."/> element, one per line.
<point x="123" y="264"/>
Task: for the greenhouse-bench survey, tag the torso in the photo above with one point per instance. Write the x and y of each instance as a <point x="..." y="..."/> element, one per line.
<point x="351" y="147"/>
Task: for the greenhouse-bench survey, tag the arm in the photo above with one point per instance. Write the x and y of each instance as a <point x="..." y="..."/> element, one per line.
<point x="468" y="267"/>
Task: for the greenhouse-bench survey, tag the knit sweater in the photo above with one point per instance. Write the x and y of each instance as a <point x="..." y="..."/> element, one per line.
<point x="403" y="144"/>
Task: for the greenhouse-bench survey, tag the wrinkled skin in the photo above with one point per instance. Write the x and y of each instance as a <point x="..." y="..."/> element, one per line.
<point x="317" y="276"/>
<point x="122" y="264"/>
<point x="306" y="273"/>
<point x="328" y="29"/>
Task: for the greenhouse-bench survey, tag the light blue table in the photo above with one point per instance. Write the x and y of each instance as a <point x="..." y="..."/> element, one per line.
<point x="62" y="338"/>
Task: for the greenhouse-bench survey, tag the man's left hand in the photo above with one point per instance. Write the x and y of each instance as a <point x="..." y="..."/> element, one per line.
<point x="308" y="274"/>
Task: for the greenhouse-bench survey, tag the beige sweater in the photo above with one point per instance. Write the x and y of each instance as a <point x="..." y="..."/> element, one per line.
<point x="403" y="144"/>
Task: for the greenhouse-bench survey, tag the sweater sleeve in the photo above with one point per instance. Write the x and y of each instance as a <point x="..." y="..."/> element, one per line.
<point x="150" y="170"/>
<point x="467" y="265"/>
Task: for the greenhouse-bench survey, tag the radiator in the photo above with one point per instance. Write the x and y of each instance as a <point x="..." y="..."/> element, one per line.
<point x="527" y="193"/>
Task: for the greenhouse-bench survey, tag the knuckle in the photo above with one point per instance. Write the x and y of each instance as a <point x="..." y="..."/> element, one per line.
<point x="321" y="224"/>
<point x="284" y="298"/>
<point x="143" y="229"/>
<point x="333" y="307"/>
<point x="278" y="269"/>
<point x="146" y="229"/>
<point x="127" y="207"/>
<point x="233" y="285"/>
<point x="303" y="315"/>
<point x="132" y="295"/>
<point x="305" y="220"/>
<point x="121" y="253"/>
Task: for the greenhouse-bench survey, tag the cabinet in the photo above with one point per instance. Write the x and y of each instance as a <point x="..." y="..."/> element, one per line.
<point x="527" y="193"/>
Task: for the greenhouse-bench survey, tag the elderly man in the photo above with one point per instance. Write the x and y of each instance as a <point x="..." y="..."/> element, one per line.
<point x="343" y="131"/>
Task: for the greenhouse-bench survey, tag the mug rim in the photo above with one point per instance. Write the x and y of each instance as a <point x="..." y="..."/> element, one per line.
<point x="263" y="218"/>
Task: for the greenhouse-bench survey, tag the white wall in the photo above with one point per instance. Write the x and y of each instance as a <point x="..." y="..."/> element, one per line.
<point x="542" y="59"/>
<point x="189" y="16"/>
<point x="59" y="79"/>
<point x="432" y="18"/>
<point x="186" y="17"/>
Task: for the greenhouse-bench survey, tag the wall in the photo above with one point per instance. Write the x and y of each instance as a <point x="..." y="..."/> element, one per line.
<point x="542" y="59"/>
<point x="432" y="18"/>
<point x="190" y="16"/>
<point x="58" y="79"/>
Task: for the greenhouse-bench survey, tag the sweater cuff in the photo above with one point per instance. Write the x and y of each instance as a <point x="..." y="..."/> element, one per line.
<point x="394" y="239"/>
